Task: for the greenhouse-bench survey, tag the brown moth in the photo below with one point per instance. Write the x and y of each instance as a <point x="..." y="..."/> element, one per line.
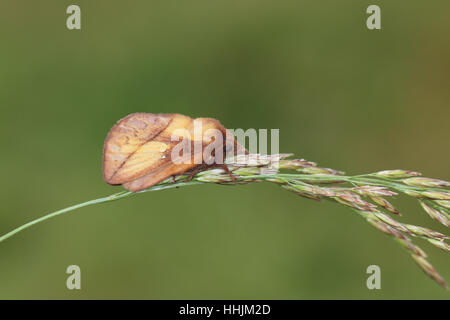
<point x="139" y="149"/>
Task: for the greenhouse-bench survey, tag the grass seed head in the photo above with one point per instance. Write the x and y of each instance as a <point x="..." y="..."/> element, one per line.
<point x="436" y="214"/>
<point x="318" y="171"/>
<point x="436" y="195"/>
<point x="425" y="232"/>
<point x="295" y="164"/>
<point x="397" y="174"/>
<point x="429" y="270"/>
<point x="440" y="244"/>
<point x="385" y="204"/>
<point x="374" y="191"/>
<point x="426" y="182"/>
<point x="443" y="203"/>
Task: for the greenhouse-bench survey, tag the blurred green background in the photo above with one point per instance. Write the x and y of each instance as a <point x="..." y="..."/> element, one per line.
<point x="341" y="95"/>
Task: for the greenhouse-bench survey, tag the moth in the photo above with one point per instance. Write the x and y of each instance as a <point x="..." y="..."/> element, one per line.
<point x="144" y="149"/>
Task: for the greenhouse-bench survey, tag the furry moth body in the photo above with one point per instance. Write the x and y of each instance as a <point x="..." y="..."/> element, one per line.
<point x="138" y="150"/>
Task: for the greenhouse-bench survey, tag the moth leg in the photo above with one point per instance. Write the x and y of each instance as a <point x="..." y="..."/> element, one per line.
<point x="202" y="168"/>
<point x="227" y="170"/>
<point x="196" y="170"/>
<point x="193" y="173"/>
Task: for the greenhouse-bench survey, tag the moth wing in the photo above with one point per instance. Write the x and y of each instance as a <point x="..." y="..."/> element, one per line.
<point x="124" y="141"/>
<point x="162" y="173"/>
